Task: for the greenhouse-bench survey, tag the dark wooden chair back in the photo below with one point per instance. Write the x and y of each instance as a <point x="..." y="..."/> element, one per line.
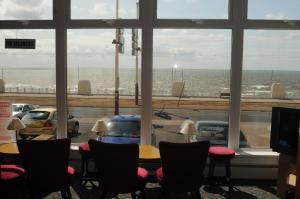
<point x="183" y="165"/>
<point x="117" y="165"/>
<point x="46" y="164"/>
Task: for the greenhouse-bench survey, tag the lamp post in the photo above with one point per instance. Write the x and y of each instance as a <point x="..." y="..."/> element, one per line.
<point x="16" y="124"/>
<point x="99" y="128"/>
<point x="188" y="129"/>
<point x="117" y="77"/>
<point x="136" y="49"/>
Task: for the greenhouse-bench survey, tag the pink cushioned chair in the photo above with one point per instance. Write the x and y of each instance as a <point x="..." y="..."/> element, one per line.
<point x="86" y="157"/>
<point x="118" y="169"/>
<point x="182" y="166"/>
<point x="46" y="166"/>
<point x="220" y="155"/>
<point x="11" y="176"/>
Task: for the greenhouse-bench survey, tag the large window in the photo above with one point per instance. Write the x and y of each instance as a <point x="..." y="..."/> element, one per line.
<point x="29" y="77"/>
<point x="270" y="70"/>
<point x="189" y="64"/>
<point x="195" y="60"/>
<point x="91" y="77"/>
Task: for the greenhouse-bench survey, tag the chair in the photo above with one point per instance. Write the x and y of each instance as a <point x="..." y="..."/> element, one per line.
<point x="11" y="177"/>
<point x="117" y="165"/>
<point x="46" y="166"/>
<point x="86" y="175"/>
<point x="182" y="166"/>
<point x="220" y="155"/>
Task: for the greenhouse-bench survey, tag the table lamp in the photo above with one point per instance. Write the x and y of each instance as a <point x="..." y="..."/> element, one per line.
<point x="100" y="128"/>
<point x="188" y="129"/>
<point x="16" y="124"/>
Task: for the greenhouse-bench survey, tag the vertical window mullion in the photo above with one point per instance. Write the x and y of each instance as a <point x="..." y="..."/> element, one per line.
<point x="238" y="12"/>
<point x="147" y="69"/>
<point x="59" y="15"/>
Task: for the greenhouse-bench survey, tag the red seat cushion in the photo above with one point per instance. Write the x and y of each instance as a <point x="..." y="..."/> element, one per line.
<point x="219" y="151"/>
<point x="84" y="147"/>
<point x="71" y="170"/>
<point x="142" y="173"/>
<point x="10" y="171"/>
<point x="159" y="174"/>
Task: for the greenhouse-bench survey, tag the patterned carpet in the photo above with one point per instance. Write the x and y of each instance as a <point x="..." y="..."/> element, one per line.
<point x="243" y="189"/>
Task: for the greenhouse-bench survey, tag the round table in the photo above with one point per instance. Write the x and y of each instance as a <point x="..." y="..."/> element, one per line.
<point x="149" y="153"/>
<point x="9" y="148"/>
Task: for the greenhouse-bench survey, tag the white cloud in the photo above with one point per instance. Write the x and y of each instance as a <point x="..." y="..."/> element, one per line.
<point x="276" y="16"/>
<point x="25" y="10"/>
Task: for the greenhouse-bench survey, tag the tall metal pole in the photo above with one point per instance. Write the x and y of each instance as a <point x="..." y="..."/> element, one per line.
<point x="137" y="61"/>
<point x="117" y="78"/>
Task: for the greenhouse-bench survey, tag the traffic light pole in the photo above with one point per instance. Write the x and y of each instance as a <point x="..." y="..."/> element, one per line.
<point x="137" y="62"/>
<point x="117" y="77"/>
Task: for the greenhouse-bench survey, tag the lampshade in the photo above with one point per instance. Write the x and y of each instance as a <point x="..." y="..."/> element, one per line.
<point x="16" y="124"/>
<point x="99" y="126"/>
<point x="188" y="128"/>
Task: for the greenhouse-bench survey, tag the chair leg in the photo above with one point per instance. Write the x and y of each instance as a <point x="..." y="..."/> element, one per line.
<point x="64" y="194"/>
<point x="228" y="175"/>
<point x="166" y="194"/>
<point x="142" y="194"/>
<point x="133" y="195"/>
<point x="103" y="194"/>
<point x="197" y="194"/>
<point x="211" y="171"/>
<point x="82" y="170"/>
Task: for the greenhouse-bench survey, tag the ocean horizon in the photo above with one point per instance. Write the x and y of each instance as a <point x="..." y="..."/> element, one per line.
<point x="198" y="82"/>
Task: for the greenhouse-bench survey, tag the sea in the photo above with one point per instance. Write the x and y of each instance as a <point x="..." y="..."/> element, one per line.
<point x="197" y="82"/>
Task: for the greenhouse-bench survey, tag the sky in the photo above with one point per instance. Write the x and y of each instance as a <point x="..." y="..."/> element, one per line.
<point x="186" y="48"/>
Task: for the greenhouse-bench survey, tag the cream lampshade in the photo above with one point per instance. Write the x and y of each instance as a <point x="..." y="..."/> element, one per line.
<point x="100" y="128"/>
<point x="188" y="129"/>
<point x="16" y="124"/>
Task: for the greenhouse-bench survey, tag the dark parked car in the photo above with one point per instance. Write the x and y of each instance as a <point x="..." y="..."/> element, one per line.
<point x="123" y="129"/>
<point x="216" y="132"/>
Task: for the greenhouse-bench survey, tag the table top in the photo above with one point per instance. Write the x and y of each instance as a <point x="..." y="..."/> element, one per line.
<point x="9" y="148"/>
<point x="147" y="152"/>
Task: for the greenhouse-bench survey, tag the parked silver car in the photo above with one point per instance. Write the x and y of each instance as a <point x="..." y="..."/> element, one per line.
<point x="20" y="109"/>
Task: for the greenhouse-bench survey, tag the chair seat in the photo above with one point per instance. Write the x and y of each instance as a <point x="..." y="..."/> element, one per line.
<point x="221" y="152"/>
<point x="71" y="170"/>
<point x="142" y="173"/>
<point x="10" y="171"/>
<point x="159" y="174"/>
<point x="84" y="147"/>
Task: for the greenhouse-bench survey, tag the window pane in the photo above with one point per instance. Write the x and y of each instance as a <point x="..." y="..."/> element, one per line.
<point x="29" y="79"/>
<point x="26" y="10"/>
<point x="273" y="9"/>
<point x="104" y="9"/>
<point x="270" y="70"/>
<point x="191" y="66"/>
<point x="192" y="9"/>
<point x="91" y="84"/>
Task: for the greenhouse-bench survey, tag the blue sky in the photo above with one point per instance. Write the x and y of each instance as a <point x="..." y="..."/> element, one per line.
<point x="264" y="49"/>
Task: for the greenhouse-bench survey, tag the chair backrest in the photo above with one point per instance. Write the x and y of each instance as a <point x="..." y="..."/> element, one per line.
<point x="45" y="163"/>
<point x="183" y="164"/>
<point x="117" y="165"/>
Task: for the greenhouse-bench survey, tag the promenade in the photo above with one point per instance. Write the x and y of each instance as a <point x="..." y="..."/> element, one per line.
<point x="158" y="102"/>
<point x="255" y="115"/>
